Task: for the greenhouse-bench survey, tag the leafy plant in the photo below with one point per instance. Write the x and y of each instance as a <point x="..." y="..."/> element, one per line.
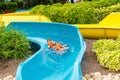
<point x="10" y="6"/>
<point x="108" y="53"/>
<point x="67" y="13"/>
<point x="101" y="13"/>
<point x="83" y="12"/>
<point x="14" y="45"/>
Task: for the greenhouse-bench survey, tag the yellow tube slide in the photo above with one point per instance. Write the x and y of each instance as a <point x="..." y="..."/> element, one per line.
<point x="109" y="27"/>
<point x="22" y="16"/>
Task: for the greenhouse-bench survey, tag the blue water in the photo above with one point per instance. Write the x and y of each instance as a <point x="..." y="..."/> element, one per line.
<point x="55" y="60"/>
<point x="52" y="61"/>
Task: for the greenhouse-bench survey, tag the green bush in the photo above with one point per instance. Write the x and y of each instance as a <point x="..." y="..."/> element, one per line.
<point x="82" y="12"/>
<point x="101" y="13"/>
<point x="11" y="6"/>
<point x="20" y="4"/>
<point x="104" y="3"/>
<point x="31" y="3"/>
<point x="13" y="45"/>
<point x="67" y="13"/>
<point x="108" y="53"/>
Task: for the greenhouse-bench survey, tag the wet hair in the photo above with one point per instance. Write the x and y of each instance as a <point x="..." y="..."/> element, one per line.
<point x="48" y="39"/>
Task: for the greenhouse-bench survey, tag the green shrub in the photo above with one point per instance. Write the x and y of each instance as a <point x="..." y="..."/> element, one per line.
<point x="108" y="53"/>
<point x="101" y="13"/>
<point x="58" y="4"/>
<point x="13" y="45"/>
<point x="2" y="27"/>
<point x="104" y="3"/>
<point x="82" y="12"/>
<point x="67" y="13"/>
<point x="20" y="4"/>
<point x="11" y="6"/>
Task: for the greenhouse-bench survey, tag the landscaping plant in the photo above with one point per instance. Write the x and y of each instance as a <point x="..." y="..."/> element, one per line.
<point x="86" y="12"/>
<point x="101" y="13"/>
<point x="13" y="44"/>
<point x="108" y="53"/>
<point x="67" y="13"/>
<point x="10" y="6"/>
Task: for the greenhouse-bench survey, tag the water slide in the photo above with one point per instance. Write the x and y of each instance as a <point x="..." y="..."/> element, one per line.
<point x="22" y="16"/>
<point x="109" y="27"/>
<point x="48" y="64"/>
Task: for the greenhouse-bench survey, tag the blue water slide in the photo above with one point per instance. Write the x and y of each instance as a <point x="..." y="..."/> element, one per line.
<point x="47" y="64"/>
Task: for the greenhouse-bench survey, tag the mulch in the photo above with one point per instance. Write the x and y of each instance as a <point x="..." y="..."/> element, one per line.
<point x="8" y="67"/>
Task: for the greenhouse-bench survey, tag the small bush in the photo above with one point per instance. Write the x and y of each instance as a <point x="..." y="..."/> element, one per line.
<point x="11" y="6"/>
<point x="13" y="45"/>
<point x="67" y="13"/>
<point x="108" y="53"/>
<point x="79" y="13"/>
<point x="20" y="4"/>
<point x="104" y="3"/>
<point x="101" y="13"/>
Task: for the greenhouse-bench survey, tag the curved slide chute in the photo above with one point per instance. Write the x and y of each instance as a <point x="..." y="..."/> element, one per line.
<point x="46" y="64"/>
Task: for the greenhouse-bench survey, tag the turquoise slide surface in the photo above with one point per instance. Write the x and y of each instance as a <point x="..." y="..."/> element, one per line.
<point x="47" y="64"/>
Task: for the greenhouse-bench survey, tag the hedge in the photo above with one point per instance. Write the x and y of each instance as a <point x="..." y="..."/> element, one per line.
<point x="83" y="12"/>
<point x="10" y="6"/>
<point x="108" y="53"/>
<point x="67" y="13"/>
<point x="103" y="12"/>
<point x="13" y="44"/>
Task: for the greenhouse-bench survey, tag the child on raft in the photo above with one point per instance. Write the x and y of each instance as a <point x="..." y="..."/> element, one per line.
<point x="56" y="45"/>
<point x="50" y="43"/>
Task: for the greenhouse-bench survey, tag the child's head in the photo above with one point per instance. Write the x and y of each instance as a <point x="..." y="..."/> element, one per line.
<point x="48" y="40"/>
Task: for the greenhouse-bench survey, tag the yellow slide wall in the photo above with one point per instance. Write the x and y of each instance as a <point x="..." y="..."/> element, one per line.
<point x="112" y="19"/>
<point x="109" y="27"/>
<point x="22" y="16"/>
